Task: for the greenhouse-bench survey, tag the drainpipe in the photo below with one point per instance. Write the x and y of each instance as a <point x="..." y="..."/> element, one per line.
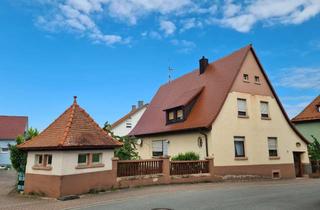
<point x="206" y="141"/>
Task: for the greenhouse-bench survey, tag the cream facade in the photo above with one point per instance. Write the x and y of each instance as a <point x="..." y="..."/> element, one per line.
<point x="251" y="85"/>
<point x="125" y="127"/>
<point x="66" y="162"/>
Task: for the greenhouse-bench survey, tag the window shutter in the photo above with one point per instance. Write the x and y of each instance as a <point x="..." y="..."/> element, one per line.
<point x="157" y="146"/>
<point x="242" y="105"/>
<point x="272" y="143"/>
<point x="264" y="108"/>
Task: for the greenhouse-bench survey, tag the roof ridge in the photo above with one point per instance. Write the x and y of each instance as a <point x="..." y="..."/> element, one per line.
<point x="67" y="129"/>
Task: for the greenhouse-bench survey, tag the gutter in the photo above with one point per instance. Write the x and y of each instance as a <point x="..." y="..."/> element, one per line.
<point x="206" y="141"/>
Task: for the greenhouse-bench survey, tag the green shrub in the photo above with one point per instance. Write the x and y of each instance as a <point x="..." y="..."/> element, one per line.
<point x="186" y="156"/>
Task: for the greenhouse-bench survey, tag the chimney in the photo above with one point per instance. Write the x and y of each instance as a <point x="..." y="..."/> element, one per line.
<point x="140" y="104"/>
<point x="134" y="107"/>
<point x="203" y="64"/>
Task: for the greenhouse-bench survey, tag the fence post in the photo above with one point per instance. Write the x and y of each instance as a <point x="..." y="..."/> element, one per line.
<point x="166" y="168"/>
<point x="115" y="168"/>
<point x="211" y="164"/>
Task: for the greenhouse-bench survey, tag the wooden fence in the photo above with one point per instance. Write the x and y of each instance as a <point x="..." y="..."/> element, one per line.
<point x="315" y="166"/>
<point x="189" y="167"/>
<point x="139" y="167"/>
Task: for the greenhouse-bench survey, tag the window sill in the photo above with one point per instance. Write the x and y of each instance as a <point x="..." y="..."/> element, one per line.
<point x="45" y="168"/>
<point x="257" y="83"/>
<point x="274" y="158"/>
<point x="246" y="81"/>
<point x="241" y="158"/>
<point x="98" y="165"/>
<point x="265" y="118"/>
<point x="243" y="116"/>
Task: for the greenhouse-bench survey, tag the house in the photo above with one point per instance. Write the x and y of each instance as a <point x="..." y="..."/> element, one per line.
<point x="10" y="128"/>
<point x="124" y="125"/>
<point x="308" y="121"/>
<point x="71" y="156"/>
<point x="227" y="109"/>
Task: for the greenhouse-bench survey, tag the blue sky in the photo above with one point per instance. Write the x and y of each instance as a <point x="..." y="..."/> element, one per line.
<point x="112" y="53"/>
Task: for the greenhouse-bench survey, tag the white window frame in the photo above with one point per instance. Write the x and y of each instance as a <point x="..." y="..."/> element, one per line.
<point x="264" y="112"/>
<point x="100" y="157"/>
<point x="242" y="109"/>
<point x="87" y="159"/>
<point x="4" y="152"/>
<point x="164" y="148"/>
<point x="276" y="146"/>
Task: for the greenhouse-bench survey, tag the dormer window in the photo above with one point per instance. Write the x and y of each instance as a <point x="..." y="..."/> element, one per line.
<point x="175" y="115"/>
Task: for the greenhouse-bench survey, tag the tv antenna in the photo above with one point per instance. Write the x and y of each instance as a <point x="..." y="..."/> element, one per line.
<point x="170" y="70"/>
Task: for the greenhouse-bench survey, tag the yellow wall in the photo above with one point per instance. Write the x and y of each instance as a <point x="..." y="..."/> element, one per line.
<point x="179" y="143"/>
<point x="256" y="132"/>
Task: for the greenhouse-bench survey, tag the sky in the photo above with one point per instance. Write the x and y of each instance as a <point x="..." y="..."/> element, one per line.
<point x="112" y="53"/>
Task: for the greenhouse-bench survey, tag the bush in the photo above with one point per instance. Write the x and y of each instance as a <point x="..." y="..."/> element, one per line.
<point x="186" y="156"/>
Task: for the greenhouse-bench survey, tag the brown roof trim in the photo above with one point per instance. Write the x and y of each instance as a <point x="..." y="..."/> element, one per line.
<point x="278" y="100"/>
<point x="95" y="147"/>
<point x="187" y="130"/>
<point x="132" y="112"/>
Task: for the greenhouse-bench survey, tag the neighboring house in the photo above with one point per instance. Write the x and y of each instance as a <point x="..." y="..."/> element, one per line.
<point x="10" y="128"/>
<point x="308" y="121"/>
<point x="71" y="156"/>
<point x="124" y="125"/>
<point x="227" y="109"/>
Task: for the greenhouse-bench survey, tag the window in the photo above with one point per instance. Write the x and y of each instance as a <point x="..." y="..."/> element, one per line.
<point x="96" y="158"/>
<point x="159" y="148"/>
<point x="242" y="107"/>
<point x="180" y="114"/>
<point x="239" y="146"/>
<point x="128" y="123"/>
<point x="39" y="160"/>
<point x="175" y="115"/>
<point x="264" y="108"/>
<point x="83" y="159"/>
<point x="273" y="146"/>
<point x="171" y="115"/>
<point x="48" y="159"/>
<point x="257" y="79"/>
<point x="318" y="108"/>
<point x="4" y="150"/>
<point x="245" y="77"/>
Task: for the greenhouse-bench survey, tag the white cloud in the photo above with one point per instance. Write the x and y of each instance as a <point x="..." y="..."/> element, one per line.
<point x="300" y="78"/>
<point x="167" y="26"/>
<point x="84" y="16"/>
<point x="243" y="17"/>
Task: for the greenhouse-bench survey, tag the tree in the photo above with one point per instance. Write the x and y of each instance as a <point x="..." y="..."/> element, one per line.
<point x="314" y="149"/>
<point x="128" y="151"/>
<point x="17" y="156"/>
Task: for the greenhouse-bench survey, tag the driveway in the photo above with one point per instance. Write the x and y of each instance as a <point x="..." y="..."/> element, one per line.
<point x="282" y="194"/>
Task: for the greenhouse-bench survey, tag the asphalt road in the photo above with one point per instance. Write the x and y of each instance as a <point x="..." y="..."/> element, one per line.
<point x="295" y="194"/>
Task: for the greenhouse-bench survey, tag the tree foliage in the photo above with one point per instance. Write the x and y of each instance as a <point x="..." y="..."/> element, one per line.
<point x="128" y="151"/>
<point x="186" y="156"/>
<point x="314" y="149"/>
<point x="18" y="157"/>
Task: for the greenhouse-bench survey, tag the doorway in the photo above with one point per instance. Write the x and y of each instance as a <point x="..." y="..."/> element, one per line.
<point x="297" y="163"/>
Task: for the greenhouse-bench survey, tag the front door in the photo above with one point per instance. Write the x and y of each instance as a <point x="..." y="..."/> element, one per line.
<point x="297" y="163"/>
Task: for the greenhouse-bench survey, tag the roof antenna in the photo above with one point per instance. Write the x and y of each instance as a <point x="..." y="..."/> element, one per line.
<point x="74" y="99"/>
<point x="170" y="70"/>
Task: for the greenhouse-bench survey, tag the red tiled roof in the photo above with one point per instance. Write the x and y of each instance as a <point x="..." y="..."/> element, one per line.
<point x="310" y="112"/>
<point x="12" y="126"/>
<point x="74" y="129"/>
<point x="132" y="112"/>
<point x="216" y="80"/>
<point x="185" y="98"/>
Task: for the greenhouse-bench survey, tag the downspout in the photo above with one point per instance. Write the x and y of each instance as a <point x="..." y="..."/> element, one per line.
<point x="206" y="142"/>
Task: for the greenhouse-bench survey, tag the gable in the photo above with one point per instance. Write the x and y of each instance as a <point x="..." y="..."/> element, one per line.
<point x="251" y="67"/>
